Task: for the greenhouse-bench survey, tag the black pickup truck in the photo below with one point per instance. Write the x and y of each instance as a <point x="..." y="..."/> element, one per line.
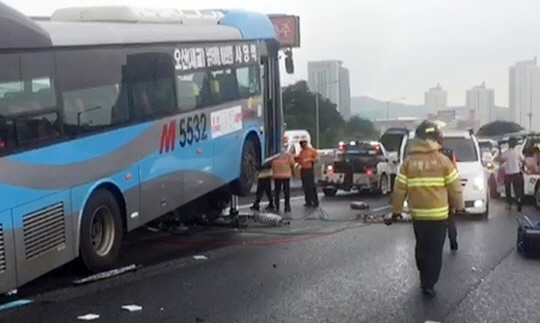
<point x="360" y="165"/>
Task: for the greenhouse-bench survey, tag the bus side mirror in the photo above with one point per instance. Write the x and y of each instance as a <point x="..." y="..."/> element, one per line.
<point x="289" y="63"/>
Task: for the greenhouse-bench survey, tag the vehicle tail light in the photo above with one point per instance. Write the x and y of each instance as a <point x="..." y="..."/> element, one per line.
<point x="330" y="171"/>
<point x="369" y="173"/>
<point x="341" y="147"/>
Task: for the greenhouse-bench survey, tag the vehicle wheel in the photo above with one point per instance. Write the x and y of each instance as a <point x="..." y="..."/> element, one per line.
<point x="329" y="192"/>
<point x="537" y="197"/>
<point x="101" y="231"/>
<point x="493" y="193"/>
<point x="248" y="173"/>
<point x="384" y="185"/>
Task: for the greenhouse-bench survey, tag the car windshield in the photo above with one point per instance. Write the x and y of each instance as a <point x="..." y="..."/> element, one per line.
<point x="463" y="148"/>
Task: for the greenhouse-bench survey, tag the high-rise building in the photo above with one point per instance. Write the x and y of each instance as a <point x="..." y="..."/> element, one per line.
<point x="435" y="99"/>
<point x="331" y="80"/>
<point x="524" y="94"/>
<point x="481" y="101"/>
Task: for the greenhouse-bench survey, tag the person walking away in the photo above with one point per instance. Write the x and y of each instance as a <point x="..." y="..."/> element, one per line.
<point x="282" y="172"/>
<point x="264" y="187"/>
<point x="513" y="177"/>
<point x="307" y="159"/>
<point x="430" y="183"/>
<point x="451" y="223"/>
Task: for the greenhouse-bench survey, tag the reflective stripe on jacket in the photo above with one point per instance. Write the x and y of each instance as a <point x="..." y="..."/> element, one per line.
<point x="307" y="157"/>
<point x="429" y="182"/>
<point x="265" y="173"/>
<point x="282" y="166"/>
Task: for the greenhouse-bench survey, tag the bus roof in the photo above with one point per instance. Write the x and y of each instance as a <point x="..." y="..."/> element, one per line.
<point x="129" y="25"/>
<point x="20" y="32"/>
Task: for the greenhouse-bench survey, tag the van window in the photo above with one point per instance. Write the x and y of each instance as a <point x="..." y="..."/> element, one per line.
<point x="463" y="148"/>
<point x="392" y="141"/>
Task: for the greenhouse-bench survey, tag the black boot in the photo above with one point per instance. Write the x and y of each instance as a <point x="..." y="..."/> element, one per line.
<point x="287" y="209"/>
<point x="429" y="292"/>
<point x="255" y="206"/>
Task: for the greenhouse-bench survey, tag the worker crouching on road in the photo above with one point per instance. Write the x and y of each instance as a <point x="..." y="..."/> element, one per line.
<point x="282" y="172"/>
<point x="264" y="187"/>
<point x="307" y="159"/>
<point x="430" y="183"/>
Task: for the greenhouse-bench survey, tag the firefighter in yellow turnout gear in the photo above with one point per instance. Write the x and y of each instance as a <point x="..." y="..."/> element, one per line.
<point x="430" y="183"/>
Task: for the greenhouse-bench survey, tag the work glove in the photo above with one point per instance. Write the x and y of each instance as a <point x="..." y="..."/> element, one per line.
<point x="391" y="218"/>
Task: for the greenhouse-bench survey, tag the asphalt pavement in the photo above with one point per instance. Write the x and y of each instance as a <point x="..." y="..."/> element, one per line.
<point x="326" y="266"/>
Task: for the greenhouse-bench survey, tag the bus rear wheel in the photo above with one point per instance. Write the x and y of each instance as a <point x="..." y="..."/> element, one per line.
<point x="101" y="232"/>
<point x="248" y="170"/>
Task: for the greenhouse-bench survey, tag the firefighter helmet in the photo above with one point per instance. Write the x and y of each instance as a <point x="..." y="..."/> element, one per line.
<point x="428" y="130"/>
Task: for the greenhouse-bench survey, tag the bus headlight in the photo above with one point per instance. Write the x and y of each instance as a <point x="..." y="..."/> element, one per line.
<point x="478" y="183"/>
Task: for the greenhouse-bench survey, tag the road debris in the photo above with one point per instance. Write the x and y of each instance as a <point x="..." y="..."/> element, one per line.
<point x="105" y="274"/>
<point x="132" y="308"/>
<point x="200" y="257"/>
<point x="88" y="317"/>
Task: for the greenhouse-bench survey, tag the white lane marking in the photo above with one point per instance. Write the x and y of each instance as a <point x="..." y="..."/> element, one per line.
<point x="381" y="208"/>
<point x="294" y="198"/>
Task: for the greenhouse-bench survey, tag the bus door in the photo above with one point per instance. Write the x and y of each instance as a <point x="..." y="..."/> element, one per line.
<point x="43" y="224"/>
<point x="273" y="113"/>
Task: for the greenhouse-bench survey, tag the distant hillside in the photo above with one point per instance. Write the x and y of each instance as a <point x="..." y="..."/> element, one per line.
<point x="370" y="108"/>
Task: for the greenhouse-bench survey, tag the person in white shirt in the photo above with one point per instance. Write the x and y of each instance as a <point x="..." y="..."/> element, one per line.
<point x="513" y="177"/>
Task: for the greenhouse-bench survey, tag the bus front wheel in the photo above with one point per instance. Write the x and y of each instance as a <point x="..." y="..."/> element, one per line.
<point x="248" y="170"/>
<point x="101" y="232"/>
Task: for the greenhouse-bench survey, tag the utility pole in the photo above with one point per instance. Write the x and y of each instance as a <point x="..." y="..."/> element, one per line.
<point x="317" y="116"/>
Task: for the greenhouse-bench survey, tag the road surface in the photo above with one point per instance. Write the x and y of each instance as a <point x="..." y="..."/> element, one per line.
<point x="324" y="267"/>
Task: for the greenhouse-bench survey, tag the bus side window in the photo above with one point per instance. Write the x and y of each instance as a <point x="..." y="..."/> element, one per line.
<point x="249" y="83"/>
<point x="92" y="90"/>
<point x="28" y="109"/>
<point x="223" y="86"/>
<point x="192" y="91"/>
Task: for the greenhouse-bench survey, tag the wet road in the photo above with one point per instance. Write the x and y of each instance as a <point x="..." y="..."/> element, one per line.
<point x="324" y="267"/>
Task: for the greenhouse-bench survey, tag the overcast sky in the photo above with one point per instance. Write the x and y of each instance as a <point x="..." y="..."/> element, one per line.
<point x="392" y="48"/>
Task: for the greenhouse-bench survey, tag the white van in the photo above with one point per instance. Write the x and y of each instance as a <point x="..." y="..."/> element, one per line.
<point x="474" y="177"/>
<point x="292" y="138"/>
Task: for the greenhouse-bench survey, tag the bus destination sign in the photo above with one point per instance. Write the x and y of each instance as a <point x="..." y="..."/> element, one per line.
<point x="198" y="57"/>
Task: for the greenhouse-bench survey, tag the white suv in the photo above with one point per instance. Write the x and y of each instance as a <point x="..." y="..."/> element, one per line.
<point x="469" y="162"/>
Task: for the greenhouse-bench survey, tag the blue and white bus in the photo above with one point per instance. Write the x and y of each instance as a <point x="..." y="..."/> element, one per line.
<point x="111" y="117"/>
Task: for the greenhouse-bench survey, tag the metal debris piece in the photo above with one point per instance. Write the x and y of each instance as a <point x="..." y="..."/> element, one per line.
<point x="88" y="317"/>
<point x="105" y="274"/>
<point x="132" y="308"/>
<point x="269" y="218"/>
<point x="200" y="257"/>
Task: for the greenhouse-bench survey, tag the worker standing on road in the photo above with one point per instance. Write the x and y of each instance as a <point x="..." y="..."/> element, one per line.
<point x="451" y="223"/>
<point x="512" y="159"/>
<point x="307" y="159"/>
<point x="430" y="183"/>
<point x="282" y="172"/>
<point x="264" y="186"/>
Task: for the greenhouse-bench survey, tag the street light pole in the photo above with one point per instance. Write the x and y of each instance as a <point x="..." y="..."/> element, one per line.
<point x="317" y="117"/>
<point x="388" y="106"/>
